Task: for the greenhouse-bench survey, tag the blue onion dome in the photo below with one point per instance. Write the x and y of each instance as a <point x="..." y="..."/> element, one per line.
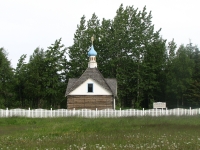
<point x="92" y="52"/>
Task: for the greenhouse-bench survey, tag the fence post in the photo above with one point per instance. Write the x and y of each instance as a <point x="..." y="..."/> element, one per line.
<point x="51" y="113"/>
<point x="6" y="112"/>
<point x="178" y="111"/>
<point x="190" y="111"/>
<point x="41" y="111"/>
<point x="10" y="114"/>
<point x="74" y="112"/>
<point x="66" y="114"/>
<point x="120" y="112"/>
<point x="29" y="112"/>
<point x="143" y="112"/>
<point x="112" y="113"/>
<point x="156" y="112"/>
<point x="46" y="113"/>
<point x="96" y="113"/>
<point x="114" y="103"/>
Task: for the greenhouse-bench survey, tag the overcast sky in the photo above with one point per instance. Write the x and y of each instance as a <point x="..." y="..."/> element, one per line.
<point x="28" y="24"/>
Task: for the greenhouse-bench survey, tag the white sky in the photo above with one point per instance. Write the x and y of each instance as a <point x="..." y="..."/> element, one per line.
<point x="28" y="24"/>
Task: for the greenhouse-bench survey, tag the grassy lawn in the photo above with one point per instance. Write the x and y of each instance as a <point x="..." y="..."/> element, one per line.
<point x="102" y="133"/>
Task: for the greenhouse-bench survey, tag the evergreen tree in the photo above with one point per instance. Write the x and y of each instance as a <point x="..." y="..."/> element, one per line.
<point x="55" y="74"/>
<point x="35" y="83"/>
<point x="193" y="92"/>
<point x="41" y="83"/>
<point x="168" y="96"/>
<point x="180" y="77"/>
<point x="154" y="65"/>
<point x="78" y="51"/>
<point x="20" y="80"/>
<point x="6" y="80"/>
<point x="105" y="49"/>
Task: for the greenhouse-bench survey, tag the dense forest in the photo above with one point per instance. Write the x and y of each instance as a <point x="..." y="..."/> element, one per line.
<point x="147" y="67"/>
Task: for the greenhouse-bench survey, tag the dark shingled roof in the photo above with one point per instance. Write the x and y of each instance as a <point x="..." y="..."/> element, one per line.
<point x="70" y="84"/>
<point x="113" y="85"/>
<point x="92" y="73"/>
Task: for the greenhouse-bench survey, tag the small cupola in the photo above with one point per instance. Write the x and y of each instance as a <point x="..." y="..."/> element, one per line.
<point x="92" y="56"/>
<point x="92" y="52"/>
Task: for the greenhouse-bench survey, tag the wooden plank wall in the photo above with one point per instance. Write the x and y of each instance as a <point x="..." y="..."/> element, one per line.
<point x="90" y="102"/>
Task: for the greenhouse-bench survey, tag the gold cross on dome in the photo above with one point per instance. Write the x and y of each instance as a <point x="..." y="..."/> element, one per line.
<point x="92" y="39"/>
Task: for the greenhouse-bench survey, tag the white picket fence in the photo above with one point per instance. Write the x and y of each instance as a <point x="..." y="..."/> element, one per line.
<point x="44" y="113"/>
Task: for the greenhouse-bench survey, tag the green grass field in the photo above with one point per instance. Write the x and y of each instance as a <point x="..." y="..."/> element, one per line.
<point x="102" y="133"/>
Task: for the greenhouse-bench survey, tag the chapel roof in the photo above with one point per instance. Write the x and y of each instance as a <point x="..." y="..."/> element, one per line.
<point x="92" y="73"/>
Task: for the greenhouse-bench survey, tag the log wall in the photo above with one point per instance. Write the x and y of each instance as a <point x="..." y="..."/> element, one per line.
<point x="90" y="102"/>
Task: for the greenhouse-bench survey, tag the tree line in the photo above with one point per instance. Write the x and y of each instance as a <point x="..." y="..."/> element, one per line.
<point x="147" y="68"/>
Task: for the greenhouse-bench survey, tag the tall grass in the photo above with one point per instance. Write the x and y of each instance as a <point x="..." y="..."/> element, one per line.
<point x="101" y="133"/>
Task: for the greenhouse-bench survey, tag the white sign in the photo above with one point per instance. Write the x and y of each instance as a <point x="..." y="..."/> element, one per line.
<point x="159" y="105"/>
